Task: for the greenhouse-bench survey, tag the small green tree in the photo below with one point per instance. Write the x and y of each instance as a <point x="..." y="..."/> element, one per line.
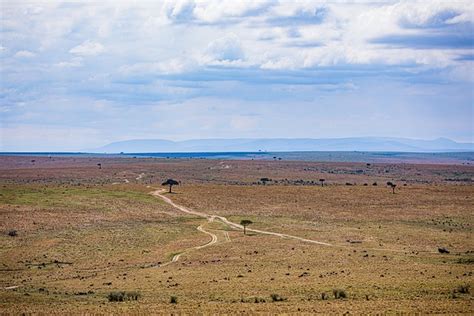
<point x="170" y="182"/>
<point x="245" y="223"/>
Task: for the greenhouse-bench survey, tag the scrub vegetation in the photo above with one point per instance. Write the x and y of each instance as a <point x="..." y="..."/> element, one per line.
<point x="79" y="239"/>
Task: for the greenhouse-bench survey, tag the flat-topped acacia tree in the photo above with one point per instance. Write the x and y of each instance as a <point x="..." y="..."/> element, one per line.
<point x="170" y="182"/>
<point x="245" y="223"/>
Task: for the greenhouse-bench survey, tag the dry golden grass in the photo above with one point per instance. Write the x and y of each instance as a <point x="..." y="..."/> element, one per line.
<point x="77" y="243"/>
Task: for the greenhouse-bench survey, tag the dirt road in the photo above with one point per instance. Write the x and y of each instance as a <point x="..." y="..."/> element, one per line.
<point x="160" y="193"/>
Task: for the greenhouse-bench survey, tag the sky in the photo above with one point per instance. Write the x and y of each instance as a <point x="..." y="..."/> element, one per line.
<point x="81" y="74"/>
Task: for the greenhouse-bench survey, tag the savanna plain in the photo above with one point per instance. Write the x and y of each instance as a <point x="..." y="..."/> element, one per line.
<point x="102" y="235"/>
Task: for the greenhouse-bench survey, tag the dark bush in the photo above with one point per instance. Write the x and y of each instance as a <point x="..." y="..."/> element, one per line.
<point x="277" y="298"/>
<point x="465" y="260"/>
<point x="339" y="294"/>
<point x="463" y="289"/>
<point x="443" y="250"/>
<point x="123" y="296"/>
<point x="116" y="296"/>
<point x="12" y="233"/>
<point x="324" y="296"/>
<point x="259" y="300"/>
<point x="173" y="300"/>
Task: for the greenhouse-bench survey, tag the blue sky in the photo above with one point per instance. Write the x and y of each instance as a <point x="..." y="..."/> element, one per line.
<point x="81" y="74"/>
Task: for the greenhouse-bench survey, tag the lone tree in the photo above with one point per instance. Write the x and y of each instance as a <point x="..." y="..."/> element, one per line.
<point x="170" y="182"/>
<point x="392" y="185"/>
<point x="322" y="182"/>
<point x="265" y="180"/>
<point x="245" y="223"/>
<point x="100" y="165"/>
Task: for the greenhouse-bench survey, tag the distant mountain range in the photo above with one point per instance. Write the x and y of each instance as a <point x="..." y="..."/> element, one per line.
<point x="285" y="145"/>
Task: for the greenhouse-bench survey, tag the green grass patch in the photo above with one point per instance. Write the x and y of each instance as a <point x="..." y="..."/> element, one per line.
<point x="70" y="197"/>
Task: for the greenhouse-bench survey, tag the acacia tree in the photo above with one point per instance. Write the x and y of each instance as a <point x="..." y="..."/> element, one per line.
<point x="265" y="180"/>
<point x="100" y="165"/>
<point x="170" y="182"/>
<point x="392" y="185"/>
<point x="322" y="182"/>
<point x="245" y="223"/>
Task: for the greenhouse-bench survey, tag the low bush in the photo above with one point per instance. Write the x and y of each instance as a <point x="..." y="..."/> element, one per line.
<point x="462" y="289"/>
<point x="12" y="233"/>
<point x="123" y="296"/>
<point x="339" y="294"/>
<point x="173" y="300"/>
<point x="277" y="298"/>
<point x="259" y="300"/>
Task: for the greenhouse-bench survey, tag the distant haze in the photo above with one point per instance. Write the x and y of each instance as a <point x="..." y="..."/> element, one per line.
<point x="285" y="144"/>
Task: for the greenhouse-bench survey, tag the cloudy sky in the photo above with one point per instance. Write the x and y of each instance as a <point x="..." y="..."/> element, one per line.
<point x="81" y="74"/>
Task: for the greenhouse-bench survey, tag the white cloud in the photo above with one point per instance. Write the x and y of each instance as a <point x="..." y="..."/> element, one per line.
<point x="225" y="48"/>
<point x="279" y="63"/>
<point x="168" y="67"/>
<point x="24" y="54"/>
<point x="219" y="10"/>
<point x="192" y="41"/>
<point x="88" y="48"/>
<point x="75" y="62"/>
<point x="178" y="10"/>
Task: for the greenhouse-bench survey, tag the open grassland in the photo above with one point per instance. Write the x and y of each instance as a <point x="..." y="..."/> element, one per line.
<point x="84" y="232"/>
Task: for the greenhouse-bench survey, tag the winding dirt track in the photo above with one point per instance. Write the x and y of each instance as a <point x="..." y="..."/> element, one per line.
<point x="210" y="243"/>
<point x="159" y="193"/>
<point x="222" y="219"/>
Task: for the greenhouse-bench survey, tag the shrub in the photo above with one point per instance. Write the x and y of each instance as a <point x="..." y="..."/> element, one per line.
<point x="173" y="300"/>
<point x="12" y="233"/>
<point x="324" y="296"/>
<point x="463" y="289"/>
<point x="465" y="260"/>
<point x="443" y="250"/>
<point x="116" y="296"/>
<point x="339" y="294"/>
<point x="259" y="300"/>
<point x="123" y="296"/>
<point x="277" y="298"/>
<point x="133" y="296"/>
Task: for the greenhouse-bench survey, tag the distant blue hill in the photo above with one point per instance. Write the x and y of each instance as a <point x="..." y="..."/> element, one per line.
<point x="385" y="144"/>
